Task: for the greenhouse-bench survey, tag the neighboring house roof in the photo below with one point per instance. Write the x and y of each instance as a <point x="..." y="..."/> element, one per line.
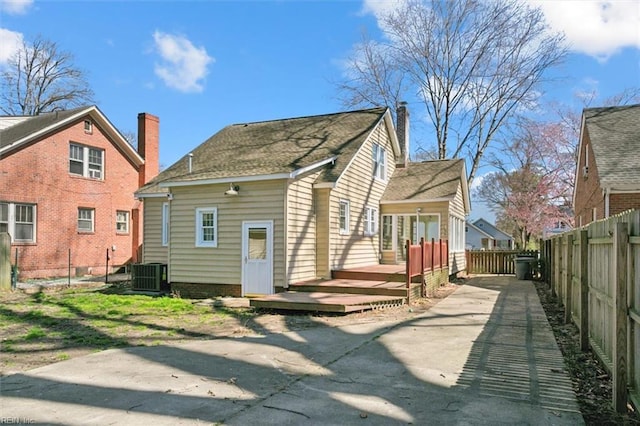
<point x="614" y="133"/>
<point x="479" y="230"/>
<point x="276" y="149"/>
<point x="428" y="181"/>
<point x="32" y="128"/>
<point x="492" y="230"/>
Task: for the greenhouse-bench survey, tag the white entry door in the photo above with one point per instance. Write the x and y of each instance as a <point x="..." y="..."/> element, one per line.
<point x="257" y="258"/>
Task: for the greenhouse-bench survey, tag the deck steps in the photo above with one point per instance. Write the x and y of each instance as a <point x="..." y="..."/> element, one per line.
<point x="364" y="275"/>
<point x="382" y="288"/>
<point x="352" y="290"/>
<point x="325" y="302"/>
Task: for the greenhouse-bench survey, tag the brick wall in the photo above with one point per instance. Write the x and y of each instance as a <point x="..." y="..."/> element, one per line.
<point x="619" y="203"/>
<point x="588" y="193"/>
<point x="436" y="279"/>
<point x="39" y="174"/>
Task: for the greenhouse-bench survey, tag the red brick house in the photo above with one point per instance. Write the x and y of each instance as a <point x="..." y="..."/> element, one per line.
<point x="607" y="178"/>
<point x="67" y="181"/>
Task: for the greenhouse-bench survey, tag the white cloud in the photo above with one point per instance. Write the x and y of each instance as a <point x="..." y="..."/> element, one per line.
<point x="598" y="28"/>
<point x="15" y="7"/>
<point x="10" y="42"/>
<point x="380" y="8"/>
<point x="183" y="65"/>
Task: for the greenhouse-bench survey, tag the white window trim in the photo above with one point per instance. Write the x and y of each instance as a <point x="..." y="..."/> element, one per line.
<point x="370" y="220"/>
<point x="199" y="241"/>
<point x="457" y="234"/>
<point x="165" y="224"/>
<point x="93" y="220"/>
<point x="11" y="222"/>
<point x="88" y="126"/>
<point x="86" y="172"/>
<point x="347" y="221"/>
<point x="127" y="222"/>
<point x="379" y="173"/>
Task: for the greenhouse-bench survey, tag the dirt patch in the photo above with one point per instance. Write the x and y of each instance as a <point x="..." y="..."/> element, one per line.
<point x="47" y="337"/>
<point x="591" y="382"/>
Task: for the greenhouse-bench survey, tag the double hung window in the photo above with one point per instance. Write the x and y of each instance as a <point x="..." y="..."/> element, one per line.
<point x="19" y="220"/>
<point x="379" y="162"/>
<point x="344" y="217"/>
<point x="207" y="227"/>
<point x="370" y="221"/>
<point x="86" y="161"/>
<point x="86" y="220"/>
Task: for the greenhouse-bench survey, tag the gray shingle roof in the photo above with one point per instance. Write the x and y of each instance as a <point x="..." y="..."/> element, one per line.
<point x="34" y="124"/>
<point x="275" y="147"/>
<point x="424" y="181"/>
<point x="615" y="139"/>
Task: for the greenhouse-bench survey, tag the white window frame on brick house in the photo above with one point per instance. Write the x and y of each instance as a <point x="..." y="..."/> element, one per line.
<point x="379" y="156"/>
<point x="343" y="217"/>
<point x="86" y="216"/>
<point x="206" y="227"/>
<point x="165" y="224"/>
<point x="88" y="161"/>
<point x="122" y="222"/>
<point x="370" y="221"/>
<point x="16" y="218"/>
<point x="88" y="126"/>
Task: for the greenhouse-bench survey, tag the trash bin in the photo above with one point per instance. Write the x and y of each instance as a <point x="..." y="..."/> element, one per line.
<point x="523" y="267"/>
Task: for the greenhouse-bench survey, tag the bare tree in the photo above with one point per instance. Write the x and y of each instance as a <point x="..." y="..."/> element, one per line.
<point x="42" y="78"/>
<point x="471" y="63"/>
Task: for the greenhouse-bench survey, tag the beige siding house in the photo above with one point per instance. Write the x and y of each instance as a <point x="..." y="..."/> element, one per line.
<point x="259" y="206"/>
<point x="427" y="200"/>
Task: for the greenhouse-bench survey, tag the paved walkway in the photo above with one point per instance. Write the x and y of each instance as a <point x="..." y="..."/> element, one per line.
<point x="483" y="356"/>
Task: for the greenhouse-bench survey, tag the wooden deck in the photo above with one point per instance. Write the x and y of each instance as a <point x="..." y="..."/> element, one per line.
<point x="351" y="290"/>
<point x="325" y="302"/>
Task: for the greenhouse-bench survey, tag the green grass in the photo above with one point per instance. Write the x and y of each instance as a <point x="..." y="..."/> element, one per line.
<point x="35" y="333"/>
<point x="97" y="320"/>
<point x="93" y="319"/>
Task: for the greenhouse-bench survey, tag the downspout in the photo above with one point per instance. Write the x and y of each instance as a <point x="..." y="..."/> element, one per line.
<point x="607" y="193"/>
<point x="286" y="235"/>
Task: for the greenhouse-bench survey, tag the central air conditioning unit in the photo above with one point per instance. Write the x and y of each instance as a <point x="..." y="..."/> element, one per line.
<point x="149" y="276"/>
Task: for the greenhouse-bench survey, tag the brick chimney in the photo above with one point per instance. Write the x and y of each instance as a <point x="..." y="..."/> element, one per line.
<point x="148" y="146"/>
<point x="402" y="130"/>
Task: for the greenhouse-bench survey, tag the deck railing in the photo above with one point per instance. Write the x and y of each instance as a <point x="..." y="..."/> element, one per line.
<point x="425" y="257"/>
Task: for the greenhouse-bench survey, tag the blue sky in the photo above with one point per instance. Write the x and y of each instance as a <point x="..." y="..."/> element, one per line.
<point x="203" y="65"/>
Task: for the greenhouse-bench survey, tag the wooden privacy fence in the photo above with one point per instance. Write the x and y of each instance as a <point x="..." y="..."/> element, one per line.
<point x="494" y="261"/>
<point x="425" y="257"/>
<point x="592" y="272"/>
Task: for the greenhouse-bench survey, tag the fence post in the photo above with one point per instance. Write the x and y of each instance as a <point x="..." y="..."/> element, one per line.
<point x="408" y="269"/>
<point x="584" y="290"/>
<point x="547" y="272"/>
<point x="560" y="282"/>
<point x="555" y="267"/>
<point x="620" y="247"/>
<point x="569" y="275"/>
<point x="5" y="262"/>
<point x="423" y="290"/>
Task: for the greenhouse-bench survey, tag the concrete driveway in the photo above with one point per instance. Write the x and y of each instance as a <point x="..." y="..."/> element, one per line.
<point x="483" y="356"/>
